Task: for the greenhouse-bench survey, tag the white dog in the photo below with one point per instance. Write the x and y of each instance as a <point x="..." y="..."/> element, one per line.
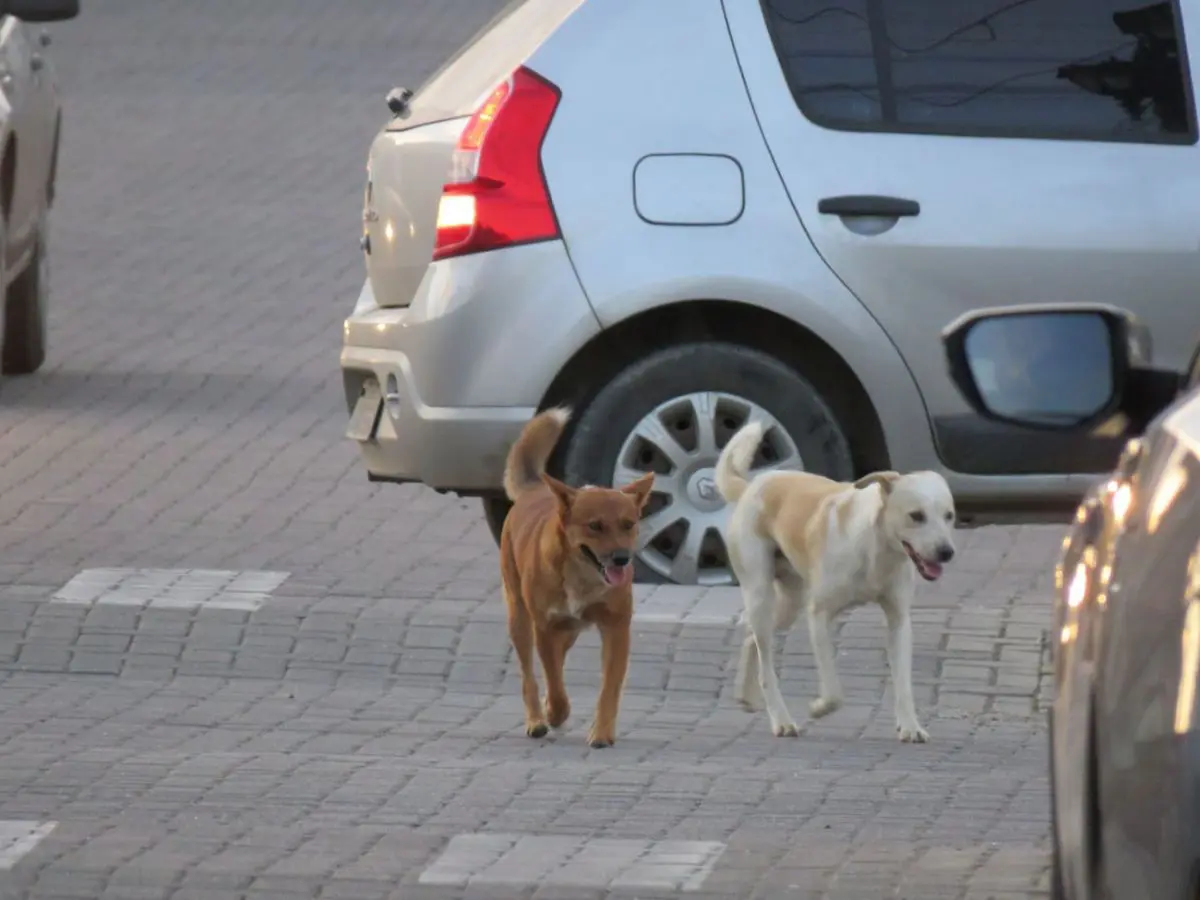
<point x="800" y="540"/>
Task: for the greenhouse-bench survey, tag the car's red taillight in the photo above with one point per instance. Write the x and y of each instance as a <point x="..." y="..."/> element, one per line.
<point x="495" y="195"/>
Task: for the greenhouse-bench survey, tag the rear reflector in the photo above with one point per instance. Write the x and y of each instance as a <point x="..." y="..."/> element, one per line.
<point x="495" y="195"/>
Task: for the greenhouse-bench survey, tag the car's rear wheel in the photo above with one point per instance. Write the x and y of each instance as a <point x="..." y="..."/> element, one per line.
<point x="24" y="348"/>
<point x="671" y="414"/>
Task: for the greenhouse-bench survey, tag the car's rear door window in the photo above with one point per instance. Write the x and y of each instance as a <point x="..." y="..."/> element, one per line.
<point x="1073" y="69"/>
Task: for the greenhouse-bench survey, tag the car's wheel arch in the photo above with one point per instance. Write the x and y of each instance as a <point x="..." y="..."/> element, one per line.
<point x="625" y="342"/>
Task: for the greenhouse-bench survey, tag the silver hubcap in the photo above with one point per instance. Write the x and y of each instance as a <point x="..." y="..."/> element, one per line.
<point x="681" y="536"/>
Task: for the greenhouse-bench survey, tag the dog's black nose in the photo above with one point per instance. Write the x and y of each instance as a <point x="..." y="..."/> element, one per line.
<point x="621" y="557"/>
<point x="945" y="554"/>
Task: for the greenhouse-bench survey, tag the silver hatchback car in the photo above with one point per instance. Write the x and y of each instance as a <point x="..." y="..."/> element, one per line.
<point x="677" y="216"/>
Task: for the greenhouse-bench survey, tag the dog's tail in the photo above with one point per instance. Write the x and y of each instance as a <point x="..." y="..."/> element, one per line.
<point x="734" y="461"/>
<point x="527" y="458"/>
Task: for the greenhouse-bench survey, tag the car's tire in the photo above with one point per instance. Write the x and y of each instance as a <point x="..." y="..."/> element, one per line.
<point x="1057" y="892"/>
<point x="717" y="387"/>
<point x="495" y="511"/>
<point x="24" y="348"/>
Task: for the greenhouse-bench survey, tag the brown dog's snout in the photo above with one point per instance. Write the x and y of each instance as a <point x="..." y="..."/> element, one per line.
<point x="620" y="557"/>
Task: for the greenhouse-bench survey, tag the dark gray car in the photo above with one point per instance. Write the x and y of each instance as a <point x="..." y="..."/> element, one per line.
<point x="1125" y="757"/>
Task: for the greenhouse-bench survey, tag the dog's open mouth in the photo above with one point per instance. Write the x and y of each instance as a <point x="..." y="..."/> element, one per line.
<point x="614" y="576"/>
<point x="930" y="571"/>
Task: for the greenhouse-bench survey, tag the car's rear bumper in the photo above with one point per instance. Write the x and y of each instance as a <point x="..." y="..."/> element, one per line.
<point x="439" y="390"/>
<point x="402" y="438"/>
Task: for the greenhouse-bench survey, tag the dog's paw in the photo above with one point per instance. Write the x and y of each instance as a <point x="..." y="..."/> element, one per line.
<point x="557" y="712"/>
<point x="785" y="729"/>
<point x="823" y="706"/>
<point x="601" y="737"/>
<point x="912" y="734"/>
<point x="537" y="729"/>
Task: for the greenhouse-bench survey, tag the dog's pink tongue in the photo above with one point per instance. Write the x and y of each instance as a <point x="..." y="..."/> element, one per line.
<point x="931" y="570"/>
<point x="618" y="575"/>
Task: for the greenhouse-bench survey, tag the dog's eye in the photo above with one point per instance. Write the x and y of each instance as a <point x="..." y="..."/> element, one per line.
<point x="917" y="516"/>
<point x="627" y="525"/>
<point x="949" y="517"/>
<point x="595" y="526"/>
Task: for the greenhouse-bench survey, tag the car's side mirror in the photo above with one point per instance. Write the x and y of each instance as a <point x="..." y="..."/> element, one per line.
<point x="1055" y="367"/>
<point x="40" y="10"/>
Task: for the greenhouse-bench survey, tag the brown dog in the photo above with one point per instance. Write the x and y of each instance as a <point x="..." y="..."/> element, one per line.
<point x="566" y="560"/>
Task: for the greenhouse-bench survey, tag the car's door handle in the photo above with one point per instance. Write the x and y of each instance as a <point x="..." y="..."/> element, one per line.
<point x="869" y="205"/>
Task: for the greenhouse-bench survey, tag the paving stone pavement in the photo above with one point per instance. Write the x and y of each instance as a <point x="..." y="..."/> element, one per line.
<point x="317" y="700"/>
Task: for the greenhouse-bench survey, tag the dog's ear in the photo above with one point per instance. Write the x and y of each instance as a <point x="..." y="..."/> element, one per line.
<point x="885" y="480"/>
<point x="563" y="493"/>
<point x="640" y="489"/>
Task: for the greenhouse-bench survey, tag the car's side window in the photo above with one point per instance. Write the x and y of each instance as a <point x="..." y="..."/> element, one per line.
<point x="1102" y="70"/>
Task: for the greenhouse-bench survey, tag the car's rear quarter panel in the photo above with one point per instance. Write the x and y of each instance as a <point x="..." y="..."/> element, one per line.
<point x="478" y="347"/>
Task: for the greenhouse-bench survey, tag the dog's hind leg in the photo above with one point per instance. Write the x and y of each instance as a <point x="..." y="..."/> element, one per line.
<point x="899" y="653"/>
<point x="746" y="687"/>
<point x="789" y="595"/>
<point x="789" y="600"/>
<point x="821" y="637"/>
<point x="758" y="590"/>
<point x="520" y="632"/>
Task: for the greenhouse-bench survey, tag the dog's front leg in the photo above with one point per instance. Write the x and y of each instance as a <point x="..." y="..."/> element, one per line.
<point x="821" y="637"/>
<point x="553" y="645"/>
<point x="614" y="660"/>
<point x="899" y="652"/>
<point x="520" y="632"/>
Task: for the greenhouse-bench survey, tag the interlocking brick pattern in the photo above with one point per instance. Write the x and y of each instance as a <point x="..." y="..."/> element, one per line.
<point x="345" y="735"/>
<point x="342" y="743"/>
